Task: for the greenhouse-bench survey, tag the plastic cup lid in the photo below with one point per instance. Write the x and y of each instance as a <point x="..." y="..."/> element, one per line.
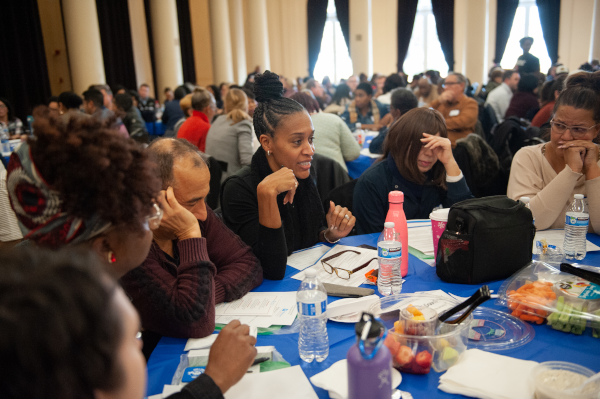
<point x="440" y="214"/>
<point x="493" y="330"/>
<point x="396" y="197"/>
<point x="577" y="196"/>
<point x="389" y="224"/>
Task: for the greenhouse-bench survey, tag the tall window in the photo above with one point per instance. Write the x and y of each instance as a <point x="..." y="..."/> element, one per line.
<point x="526" y="23"/>
<point x="334" y="59"/>
<point x="425" y="51"/>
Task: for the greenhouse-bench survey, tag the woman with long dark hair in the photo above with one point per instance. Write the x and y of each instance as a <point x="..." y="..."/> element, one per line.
<point x="9" y="123"/>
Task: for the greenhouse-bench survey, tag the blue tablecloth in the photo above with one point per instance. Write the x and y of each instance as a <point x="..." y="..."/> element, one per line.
<point x="547" y="345"/>
<point x="155" y="128"/>
<point x="362" y="163"/>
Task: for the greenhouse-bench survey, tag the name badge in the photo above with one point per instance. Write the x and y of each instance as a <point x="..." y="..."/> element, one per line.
<point x="454" y="112"/>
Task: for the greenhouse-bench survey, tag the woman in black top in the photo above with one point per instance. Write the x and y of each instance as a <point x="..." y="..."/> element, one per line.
<point x="273" y="205"/>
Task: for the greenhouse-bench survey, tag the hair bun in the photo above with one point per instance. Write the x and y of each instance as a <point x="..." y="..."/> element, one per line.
<point x="267" y="86"/>
<point x="590" y="80"/>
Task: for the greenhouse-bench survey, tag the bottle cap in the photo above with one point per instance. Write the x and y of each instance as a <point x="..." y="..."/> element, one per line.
<point x="374" y="330"/>
<point x="310" y="273"/>
<point x="524" y="200"/>
<point x="396" y="197"/>
<point x="358" y="125"/>
<point x="389" y="224"/>
<point x="578" y="196"/>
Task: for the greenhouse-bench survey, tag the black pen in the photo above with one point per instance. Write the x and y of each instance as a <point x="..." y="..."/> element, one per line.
<point x="260" y="360"/>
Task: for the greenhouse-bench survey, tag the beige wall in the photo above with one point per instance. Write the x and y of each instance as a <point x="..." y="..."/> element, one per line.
<point x="201" y="42"/>
<point x="384" y="14"/>
<point x="575" y="32"/>
<point x="55" y="46"/>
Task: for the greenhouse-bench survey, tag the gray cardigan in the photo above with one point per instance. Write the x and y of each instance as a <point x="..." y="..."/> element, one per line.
<point x="230" y="144"/>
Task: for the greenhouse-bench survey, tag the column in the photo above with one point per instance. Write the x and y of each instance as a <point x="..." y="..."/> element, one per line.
<point x="199" y="16"/>
<point x="167" y="50"/>
<point x="139" y="42"/>
<point x="238" y="41"/>
<point x="595" y="44"/>
<point x="361" y="37"/>
<point x="259" y="35"/>
<point x="221" y="41"/>
<point x="83" y="43"/>
<point x="472" y="38"/>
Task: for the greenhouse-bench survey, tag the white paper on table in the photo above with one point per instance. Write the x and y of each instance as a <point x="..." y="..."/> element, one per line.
<point x="347" y="261"/>
<point x="157" y="396"/>
<point x="307" y="257"/>
<point x="228" y="319"/>
<point x="251" y="304"/>
<point x="350" y="305"/>
<point x="557" y="237"/>
<point x="440" y="302"/>
<point x="421" y="239"/>
<point x="289" y="383"/>
<point x="443" y="295"/>
<point x="206" y="342"/>
<point x="366" y="152"/>
<point x="418" y="223"/>
<point x="284" y="313"/>
<point x="169" y="390"/>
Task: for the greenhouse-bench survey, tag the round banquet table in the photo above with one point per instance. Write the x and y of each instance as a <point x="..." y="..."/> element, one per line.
<point x="547" y="345"/>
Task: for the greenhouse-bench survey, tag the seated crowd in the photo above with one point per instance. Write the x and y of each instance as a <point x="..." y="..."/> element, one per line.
<point x="118" y="236"/>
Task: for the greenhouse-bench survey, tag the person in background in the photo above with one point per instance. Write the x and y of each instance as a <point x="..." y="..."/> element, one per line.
<point x="379" y="81"/>
<point x="93" y="105"/>
<point x="169" y="95"/>
<point x="68" y="295"/>
<point x="147" y="105"/>
<point x="433" y="76"/>
<point x="136" y="127"/>
<point x="352" y="83"/>
<point x="229" y="139"/>
<point x="173" y="113"/>
<point x="251" y="101"/>
<point x="500" y="98"/>
<point x="363" y="78"/>
<point x="525" y="99"/>
<point x="288" y="85"/>
<point x="224" y="88"/>
<point x="53" y="106"/>
<point x="415" y="82"/>
<point x="69" y="105"/>
<point x="426" y="92"/>
<point x="107" y="95"/>
<point x="495" y="80"/>
<point x="135" y="98"/>
<point x="550" y="92"/>
<point x="551" y="173"/>
<point x="119" y="89"/>
<point x="318" y="93"/>
<point x="274" y="205"/>
<point x="8" y="120"/>
<point x="403" y="100"/>
<point x="10" y="234"/>
<point x="459" y="111"/>
<point x="195" y="128"/>
<point x="214" y="90"/>
<point x="332" y="137"/>
<point x="339" y="101"/>
<point x="364" y="109"/>
<point x="186" y="107"/>
<point x="527" y="63"/>
<point x="328" y="86"/>
<point x="390" y="84"/>
<point x="417" y="160"/>
<point x="190" y="245"/>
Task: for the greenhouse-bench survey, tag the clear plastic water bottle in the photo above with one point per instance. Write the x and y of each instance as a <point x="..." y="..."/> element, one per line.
<point x="359" y="133"/>
<point x="526" y="201"/>
<point x="576" y="227"/>
<point x="313" y="342"/>
<point x="389" y="252"/>
<point x="4" y="137"/>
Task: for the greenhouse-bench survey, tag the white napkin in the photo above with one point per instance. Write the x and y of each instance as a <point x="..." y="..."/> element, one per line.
<point x="487" y="375"/>
<point x="335" y="379"/>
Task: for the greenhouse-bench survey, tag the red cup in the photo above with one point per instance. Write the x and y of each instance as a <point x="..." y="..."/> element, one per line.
<point x="439" y="219"/>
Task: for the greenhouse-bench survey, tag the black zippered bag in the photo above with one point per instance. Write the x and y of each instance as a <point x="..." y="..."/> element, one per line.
<point x="486" y="239"/>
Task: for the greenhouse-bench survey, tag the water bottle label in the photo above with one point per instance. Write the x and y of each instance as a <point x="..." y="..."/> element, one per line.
<point x="393" y="252"/>
<point x="577" y="220"/>
<point x="312" y="309"/>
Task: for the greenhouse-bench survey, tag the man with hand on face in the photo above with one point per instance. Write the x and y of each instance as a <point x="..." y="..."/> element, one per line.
<point x="459" y="111"/>
<point x="195" y="261"/>
<point x="500" y="98"/>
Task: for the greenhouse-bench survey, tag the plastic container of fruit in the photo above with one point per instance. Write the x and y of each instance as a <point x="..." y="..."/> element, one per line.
<point x="411" y="351"/>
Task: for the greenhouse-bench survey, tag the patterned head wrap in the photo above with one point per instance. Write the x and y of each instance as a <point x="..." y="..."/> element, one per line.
<point x="39" y="208"/>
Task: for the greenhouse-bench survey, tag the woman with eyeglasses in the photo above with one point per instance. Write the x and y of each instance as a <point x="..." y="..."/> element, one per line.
<point x="551" y="173"/>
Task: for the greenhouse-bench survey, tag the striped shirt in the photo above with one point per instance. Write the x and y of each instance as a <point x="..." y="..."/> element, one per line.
<point x="9" y="228"/>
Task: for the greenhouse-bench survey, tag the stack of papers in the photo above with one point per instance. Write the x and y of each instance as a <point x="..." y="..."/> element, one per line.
<point x="307" y="257"/>
<point x="348" y="261"/>
<point x="420" y="236"/>
<point x="259" y="309"/>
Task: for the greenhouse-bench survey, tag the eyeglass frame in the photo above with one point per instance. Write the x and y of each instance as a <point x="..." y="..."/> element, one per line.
<point x="157" y="216"/>
<point x="450" y="84"/>
<point x="350" y="272"/>
<point x="553" y="123"/>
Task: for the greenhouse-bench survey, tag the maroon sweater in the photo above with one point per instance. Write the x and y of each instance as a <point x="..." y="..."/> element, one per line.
<point x="179" y="301"/>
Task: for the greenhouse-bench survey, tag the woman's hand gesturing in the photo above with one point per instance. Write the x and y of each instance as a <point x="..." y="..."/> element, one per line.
<point x="279" y="182"/>
<point x="339" y="222"/>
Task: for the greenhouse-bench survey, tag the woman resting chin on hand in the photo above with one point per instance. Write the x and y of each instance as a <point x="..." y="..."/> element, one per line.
<point x="419" y="164"/>
<point x="273" y="204"/>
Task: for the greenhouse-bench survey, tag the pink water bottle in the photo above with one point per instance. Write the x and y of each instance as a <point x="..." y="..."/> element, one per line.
<point x="396" y="215"/>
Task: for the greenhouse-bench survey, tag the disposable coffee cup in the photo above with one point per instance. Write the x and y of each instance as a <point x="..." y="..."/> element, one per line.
<point x="439" y="219"/>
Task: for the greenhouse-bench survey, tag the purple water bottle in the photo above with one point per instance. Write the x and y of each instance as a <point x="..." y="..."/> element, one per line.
<point x="369" y="362"/>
